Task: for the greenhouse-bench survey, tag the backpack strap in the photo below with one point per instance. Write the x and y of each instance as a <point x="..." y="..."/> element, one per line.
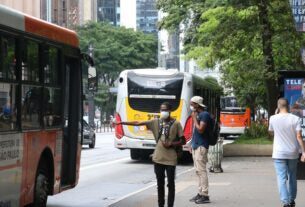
<point x="166" y="130"/>
<point x="160" y="123"/>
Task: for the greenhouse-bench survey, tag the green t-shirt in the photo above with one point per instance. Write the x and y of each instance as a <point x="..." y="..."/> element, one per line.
<point x="161" y="154"/>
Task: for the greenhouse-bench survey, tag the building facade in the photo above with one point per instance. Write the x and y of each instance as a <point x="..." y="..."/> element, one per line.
<point x="30" y="7"/>
<point x="147" y="16"/>
<point x="141" y="15"/>
<point x="88" y="11"/>
<point x="109" y="11"/>
<point x="65" y="13"/>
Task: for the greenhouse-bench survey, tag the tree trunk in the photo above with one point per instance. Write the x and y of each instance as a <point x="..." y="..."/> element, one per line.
<point x="270" y="80"/>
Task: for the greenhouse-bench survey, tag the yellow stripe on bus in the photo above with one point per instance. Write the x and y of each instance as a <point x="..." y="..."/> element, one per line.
<point x="134" y="115"/>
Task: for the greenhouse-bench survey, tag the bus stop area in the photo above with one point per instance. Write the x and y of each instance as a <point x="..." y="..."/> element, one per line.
<point x="246" y="181"/>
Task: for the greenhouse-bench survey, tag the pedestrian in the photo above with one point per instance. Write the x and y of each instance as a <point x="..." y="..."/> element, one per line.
<point x="199" y="147"/>
<point x="168" y="134"/>
<point x="286" y="129"/>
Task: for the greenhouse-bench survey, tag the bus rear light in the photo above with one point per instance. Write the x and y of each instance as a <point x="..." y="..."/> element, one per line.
<point x="188" y="129"/>
<point x="119" y="132"/>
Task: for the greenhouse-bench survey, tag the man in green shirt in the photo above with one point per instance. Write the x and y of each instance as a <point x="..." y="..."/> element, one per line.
<point x="168" y="134"/>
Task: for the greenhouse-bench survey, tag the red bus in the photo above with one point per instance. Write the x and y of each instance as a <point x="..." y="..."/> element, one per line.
<point x="234" y="118"/>
<point x="40" y="109"/>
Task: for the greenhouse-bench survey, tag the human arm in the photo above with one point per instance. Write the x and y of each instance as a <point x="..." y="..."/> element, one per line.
<point x="200" y="124"/>
<point x="301" y="143"/>
<point x="300" y="139"/>
<point x="178" y="141"/>
<point x="270" y="129"/>
<point x="131" y="123"/>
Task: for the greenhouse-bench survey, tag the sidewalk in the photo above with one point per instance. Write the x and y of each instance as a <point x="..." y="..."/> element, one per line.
<point x="246" y="181"/>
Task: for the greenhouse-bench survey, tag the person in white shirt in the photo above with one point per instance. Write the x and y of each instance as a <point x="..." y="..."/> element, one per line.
<point x="286" y="129"/>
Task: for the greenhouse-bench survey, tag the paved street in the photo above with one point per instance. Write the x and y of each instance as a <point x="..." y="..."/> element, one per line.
<point x="107" y="175"/>
<point x="110" y="178"/>
<point x="247" y="182"/>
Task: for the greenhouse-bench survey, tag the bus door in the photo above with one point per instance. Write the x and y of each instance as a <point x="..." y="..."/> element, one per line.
<point x="72" y="124"/>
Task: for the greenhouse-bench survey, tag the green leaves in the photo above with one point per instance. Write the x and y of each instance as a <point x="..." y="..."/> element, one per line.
<point x="232" y="33"/>
<point x="117" y="48"/>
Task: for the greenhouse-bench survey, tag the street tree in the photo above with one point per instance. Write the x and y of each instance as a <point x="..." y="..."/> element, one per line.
<point x="115" y="49"/>
<point x="250" y="39"/>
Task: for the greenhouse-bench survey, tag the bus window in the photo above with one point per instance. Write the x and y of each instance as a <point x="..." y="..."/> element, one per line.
<point x="31" y="107"/>
<point x="51" y="73"/>
<point x="197" y="92"/>
<point x="30" y="62"/>
<point x="7" y="107"/>
<point x="7" y="71"/>
<point x="51" y="93"/>
<point x="147" y="94"/>
<point x="52" y="107"/>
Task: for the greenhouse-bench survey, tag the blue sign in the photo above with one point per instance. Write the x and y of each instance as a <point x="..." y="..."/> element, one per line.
<point x="294" y="91"/>
<point x="298" y="11"/>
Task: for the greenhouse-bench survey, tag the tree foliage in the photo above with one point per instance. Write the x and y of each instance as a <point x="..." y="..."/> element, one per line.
<point x="114" y="50"/>
<point x="117" y="48"/>
<point x="250" y="39"/>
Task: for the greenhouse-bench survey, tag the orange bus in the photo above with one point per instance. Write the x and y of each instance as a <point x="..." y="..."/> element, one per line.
<point x="40" y="109"/>
<point x="234" y="118"/>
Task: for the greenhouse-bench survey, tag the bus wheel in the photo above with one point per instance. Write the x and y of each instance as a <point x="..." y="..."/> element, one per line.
<point x="135" y="154"/>
<point x="41" y="191"/>
<point x="92" y="145"/>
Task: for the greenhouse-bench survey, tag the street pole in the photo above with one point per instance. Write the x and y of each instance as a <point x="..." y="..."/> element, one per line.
<point x="91" y="107"/>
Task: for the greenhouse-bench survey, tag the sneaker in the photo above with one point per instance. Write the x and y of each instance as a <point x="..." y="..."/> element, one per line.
<point x="292" y="204"/>
<point x="286" y="205"/>
<point x="195" y="198"/>
<point x="203" y="199"/>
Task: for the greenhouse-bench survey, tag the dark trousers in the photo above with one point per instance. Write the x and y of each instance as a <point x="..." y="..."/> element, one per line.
<point x="160" y="174"/>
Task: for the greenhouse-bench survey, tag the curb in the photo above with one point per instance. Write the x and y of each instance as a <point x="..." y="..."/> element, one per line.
<point x="235" y="150"/>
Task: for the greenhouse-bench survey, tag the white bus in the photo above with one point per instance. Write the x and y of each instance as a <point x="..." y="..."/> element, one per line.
<point x="140" y="94"/>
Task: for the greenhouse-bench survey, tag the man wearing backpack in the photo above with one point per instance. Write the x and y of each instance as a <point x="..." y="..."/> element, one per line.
<point x="168" y="134"/>
<point x="199" y="147"/>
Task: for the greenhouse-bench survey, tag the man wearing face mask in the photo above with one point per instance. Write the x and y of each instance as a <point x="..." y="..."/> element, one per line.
<point x="199" y="147"/>
<point x="168" y="134"/>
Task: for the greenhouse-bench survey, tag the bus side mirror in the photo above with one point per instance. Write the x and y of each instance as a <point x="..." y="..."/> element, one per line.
<point x="88" y="59"/>
<point x="92" y="79"/>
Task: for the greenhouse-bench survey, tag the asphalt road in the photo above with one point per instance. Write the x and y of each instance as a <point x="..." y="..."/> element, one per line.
<point x="108" y="175"/>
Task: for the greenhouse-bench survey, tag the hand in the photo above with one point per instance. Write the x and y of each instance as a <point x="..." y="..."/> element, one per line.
<point x="303" y="157"/>
<point x="194" y="115"/>
<point x="116" y="123"/>
<point x="190" y="150"/>
<point x="167" y="144"/>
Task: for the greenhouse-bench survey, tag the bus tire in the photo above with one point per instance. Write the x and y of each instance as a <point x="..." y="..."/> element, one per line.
<point x="135" y="154"/>
<point x="41" y="190"/>
<point x="92" y="145"/>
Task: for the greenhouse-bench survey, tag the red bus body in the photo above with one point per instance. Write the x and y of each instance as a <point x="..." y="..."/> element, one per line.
<point x="26" y="152"/>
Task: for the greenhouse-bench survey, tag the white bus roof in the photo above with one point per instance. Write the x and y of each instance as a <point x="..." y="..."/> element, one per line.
<point x="151" y="71"/>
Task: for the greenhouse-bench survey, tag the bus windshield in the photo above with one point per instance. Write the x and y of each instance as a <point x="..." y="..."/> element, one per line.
<point x="142" y="89"/>
<point x="230" y="104"/>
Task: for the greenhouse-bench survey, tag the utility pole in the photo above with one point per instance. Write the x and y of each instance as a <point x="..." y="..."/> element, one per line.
<point x="91" y="107"/>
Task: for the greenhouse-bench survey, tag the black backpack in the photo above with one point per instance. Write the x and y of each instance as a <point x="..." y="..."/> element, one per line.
<point x="214" y="130"/>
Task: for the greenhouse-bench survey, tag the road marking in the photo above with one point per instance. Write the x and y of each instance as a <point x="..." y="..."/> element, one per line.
<point x="147" y="187"/>
<point x="104" y="163"/>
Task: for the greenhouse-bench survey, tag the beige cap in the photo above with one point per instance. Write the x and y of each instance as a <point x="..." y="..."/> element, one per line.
<point x="198" y="100"/>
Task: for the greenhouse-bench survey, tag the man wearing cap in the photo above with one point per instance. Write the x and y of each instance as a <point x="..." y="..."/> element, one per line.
<point x="199" y="147"/>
